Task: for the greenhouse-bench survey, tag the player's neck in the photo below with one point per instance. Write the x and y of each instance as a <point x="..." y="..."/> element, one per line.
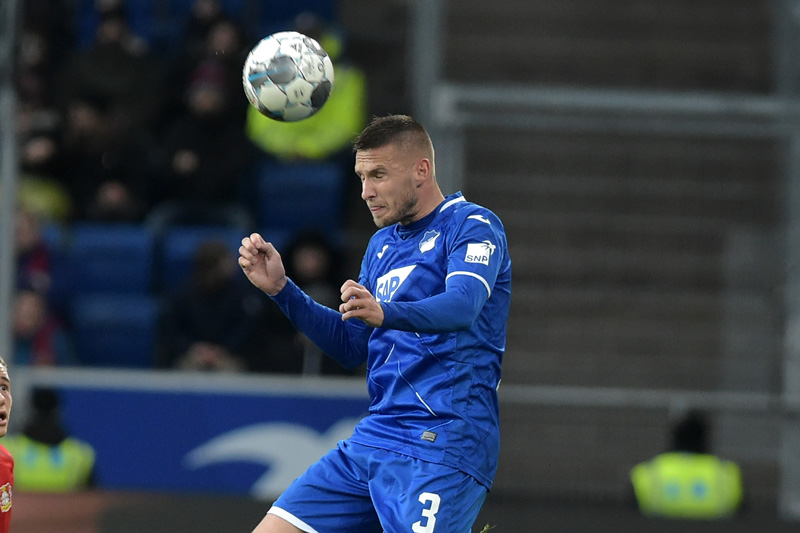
<point x="428" y="202"/>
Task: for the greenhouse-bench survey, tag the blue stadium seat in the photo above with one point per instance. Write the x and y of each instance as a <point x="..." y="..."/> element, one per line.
<point x="300" y="196"/>
<point x="110" y="258"/>
<point x="115" y="330"/>
<point x="179" y="245"/>
<point x="55" y="235"/>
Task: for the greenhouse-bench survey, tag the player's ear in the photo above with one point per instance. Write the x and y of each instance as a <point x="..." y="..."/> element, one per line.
<point x="423" y="170"/>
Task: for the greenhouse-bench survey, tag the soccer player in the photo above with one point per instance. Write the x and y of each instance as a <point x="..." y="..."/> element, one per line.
<point x="428" y="315"/>
<point x="6" y="461"/>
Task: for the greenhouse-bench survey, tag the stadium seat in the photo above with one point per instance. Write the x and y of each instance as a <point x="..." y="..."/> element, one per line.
<point x="109" y="258"/>
<point x="55" y="236"/>
<point x="179" y="245"/>
<point x="300" y="196"/>
<point x="115" y="329"/>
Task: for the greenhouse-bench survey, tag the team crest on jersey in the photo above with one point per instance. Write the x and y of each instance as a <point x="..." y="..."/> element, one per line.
<point x="5" y="498"/>
<point x="388" y="284"/>
<point x="428" y="240"/>
<point x="479" y="252"/>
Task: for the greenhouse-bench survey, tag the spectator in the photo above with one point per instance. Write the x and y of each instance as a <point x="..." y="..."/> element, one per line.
<point x="313" y="264"/>
<point x="203" y="15"/>
<point x="205" y="156"/>
<point x="32" y="253"/>
<point x="688" y="481"/>
<point x="39" y="337"/>
<point x="222" y="45"/>
<point x="40" y="191"/>
<point x="210" y="319"/>
<point x="47" y="458"/>
<point x="117" y="68"/>
<point x="105" y="168"/>
<point x="46" y="37"/>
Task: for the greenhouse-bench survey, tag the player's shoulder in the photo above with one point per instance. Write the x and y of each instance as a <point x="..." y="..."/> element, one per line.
<point x="5" y="456"/>
<point x="462" y="211"/>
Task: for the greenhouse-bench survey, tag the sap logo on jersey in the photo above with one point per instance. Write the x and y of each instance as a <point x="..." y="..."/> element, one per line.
<point x="388" y="284"/>
<point x="479" y="252"/>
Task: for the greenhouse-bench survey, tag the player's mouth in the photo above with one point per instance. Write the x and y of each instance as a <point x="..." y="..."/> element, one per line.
<point x="3" y="418"/>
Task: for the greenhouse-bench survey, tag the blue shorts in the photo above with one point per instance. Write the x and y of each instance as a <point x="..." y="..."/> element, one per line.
<point x="360" y="489"/>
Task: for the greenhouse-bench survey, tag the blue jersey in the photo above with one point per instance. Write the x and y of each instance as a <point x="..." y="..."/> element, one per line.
<point x="433" y="367"/>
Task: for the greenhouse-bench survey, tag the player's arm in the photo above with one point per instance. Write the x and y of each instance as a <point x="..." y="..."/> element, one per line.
<point x="346" y="342"/>
<point x="262" y="264"/>
<point x="453" y="310"/>
<point x="475" y="256"/>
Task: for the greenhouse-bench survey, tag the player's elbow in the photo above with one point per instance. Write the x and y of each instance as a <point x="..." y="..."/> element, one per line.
<point x="463" y="321"/>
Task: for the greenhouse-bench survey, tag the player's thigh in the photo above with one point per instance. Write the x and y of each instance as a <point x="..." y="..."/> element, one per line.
<point x="419" y="497"/>
<point x="332" y="496"/>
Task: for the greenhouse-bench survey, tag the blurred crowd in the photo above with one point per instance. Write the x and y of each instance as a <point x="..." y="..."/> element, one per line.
<point x="152" y="131"/>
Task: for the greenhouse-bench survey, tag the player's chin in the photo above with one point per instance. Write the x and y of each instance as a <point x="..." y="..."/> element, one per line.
<point x="382" y="221"/>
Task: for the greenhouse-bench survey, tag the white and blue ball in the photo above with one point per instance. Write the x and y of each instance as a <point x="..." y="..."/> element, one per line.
<point x="287" y="76"/>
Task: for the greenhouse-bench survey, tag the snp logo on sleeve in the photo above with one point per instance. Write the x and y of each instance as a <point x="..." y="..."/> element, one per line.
<point x="479" y="252"/>
<point x="388" y="284"/>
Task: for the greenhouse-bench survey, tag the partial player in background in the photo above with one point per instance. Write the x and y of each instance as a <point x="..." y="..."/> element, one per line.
<point x="428" y="315"/>
<point x="6" y="460"/>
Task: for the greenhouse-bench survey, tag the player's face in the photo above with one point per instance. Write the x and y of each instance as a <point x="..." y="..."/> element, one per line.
<point x="388" y="184"/>
<point x="5" y="400"/>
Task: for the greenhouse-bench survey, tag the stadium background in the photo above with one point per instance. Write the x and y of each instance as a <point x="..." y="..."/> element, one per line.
<point x="643" y="157"/>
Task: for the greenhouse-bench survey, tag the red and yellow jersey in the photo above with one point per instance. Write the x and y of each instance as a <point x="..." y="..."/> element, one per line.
<point x="6" y="488"/>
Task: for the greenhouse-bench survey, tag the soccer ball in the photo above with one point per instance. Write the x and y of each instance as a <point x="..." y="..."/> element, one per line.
<point x="287" y="76"/>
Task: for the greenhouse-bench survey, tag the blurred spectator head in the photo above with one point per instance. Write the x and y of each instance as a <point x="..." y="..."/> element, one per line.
<point x="44" y="401"/>
<point x="88" y="116"/>
<point x="109" y="7"/>
<point x="206" y="10"/>
<point x="38" y="152"/>
<point x="206" y="95"/>
<point x="312" y="259"/>
<point x="214" y="266"/>
<point x="30" y="313"/>
<point x="224" y="38"/>
<point x="27" y="231"/>
<point x="34" y="51"/>
<point x="44" y="424"/>
<point x="113" y="30"/>
<point x="115" y="202"/>
<point x="690" y="434"/>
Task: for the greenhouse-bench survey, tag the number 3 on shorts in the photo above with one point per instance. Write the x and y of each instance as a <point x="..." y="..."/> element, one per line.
<point x="429" y="513"/>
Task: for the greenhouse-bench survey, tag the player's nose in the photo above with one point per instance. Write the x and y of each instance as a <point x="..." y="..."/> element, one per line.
<point x="367" y="191"/>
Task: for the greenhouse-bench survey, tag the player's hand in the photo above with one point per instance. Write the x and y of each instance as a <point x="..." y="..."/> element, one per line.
<point x="359" y="303"/>
<point x="262" y="264"/>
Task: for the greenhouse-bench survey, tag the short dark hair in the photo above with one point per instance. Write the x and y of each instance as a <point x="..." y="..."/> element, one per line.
<point x="389" y="129"/>
<point x="690" y="434"/>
